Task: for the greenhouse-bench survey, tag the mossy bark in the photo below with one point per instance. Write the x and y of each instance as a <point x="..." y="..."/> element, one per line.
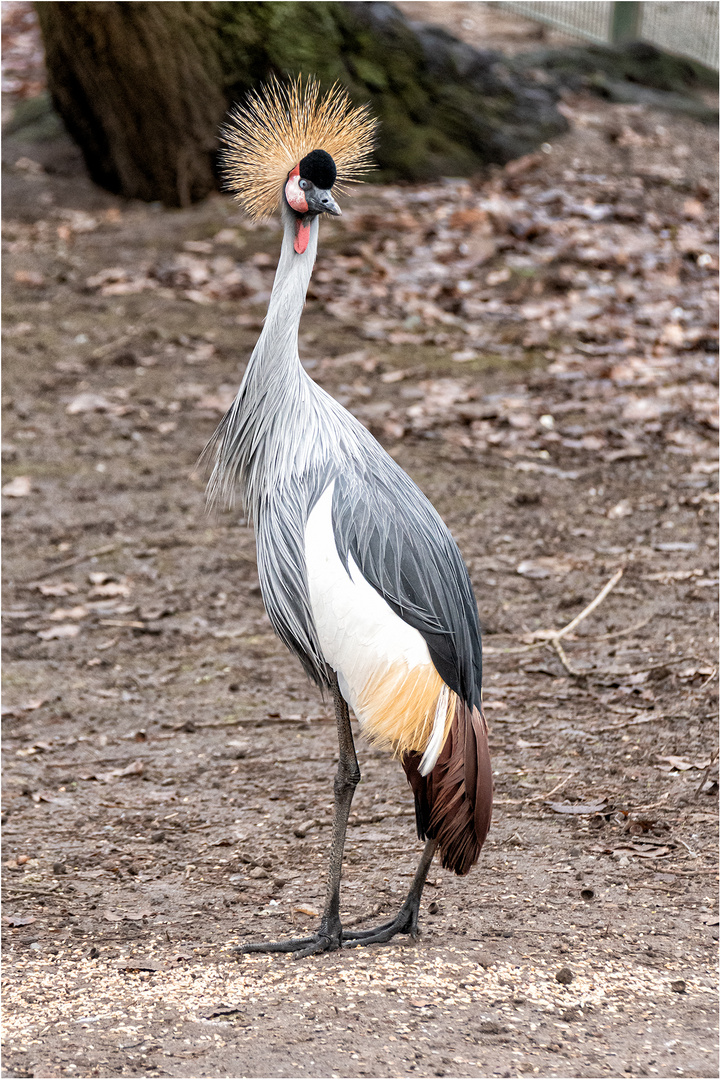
<point x="144" y="86"/>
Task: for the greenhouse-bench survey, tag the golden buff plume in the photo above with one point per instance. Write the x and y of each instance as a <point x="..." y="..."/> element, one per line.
<point x="281" y="123"/>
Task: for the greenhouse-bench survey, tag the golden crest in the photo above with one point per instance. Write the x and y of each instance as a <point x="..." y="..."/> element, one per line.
<point x="282" y="122"/>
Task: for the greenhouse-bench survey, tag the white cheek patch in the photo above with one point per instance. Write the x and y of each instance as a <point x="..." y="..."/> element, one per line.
<point x="295" y="195"/>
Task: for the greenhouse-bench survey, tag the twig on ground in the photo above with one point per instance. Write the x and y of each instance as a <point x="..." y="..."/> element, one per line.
<point x="632" y="720"/>
<point x="73" y="562"/>
<point x="558" y="786"/>
<point x="711" y="677"/>
<point x="693" y="854"/>
<point x="620" y="633"/>
<point x="558" y="649"/>
<point x="650" y="806"/>
<point x="553" y="637"/>
<point x="570" y="627"/>
<point x="700" y="788"/>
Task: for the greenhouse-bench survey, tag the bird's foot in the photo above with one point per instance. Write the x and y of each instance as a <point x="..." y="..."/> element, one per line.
<point x="405" y="922"/>
<point x="322" y="941"/>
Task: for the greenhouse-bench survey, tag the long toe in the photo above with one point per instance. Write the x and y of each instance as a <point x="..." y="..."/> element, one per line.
<point x="358" y="935"/>
<point x="305" y="946"/>
<point x="404" y="923"/>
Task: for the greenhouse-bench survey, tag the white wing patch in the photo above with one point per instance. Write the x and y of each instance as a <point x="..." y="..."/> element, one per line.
<point x="360" y="635"/>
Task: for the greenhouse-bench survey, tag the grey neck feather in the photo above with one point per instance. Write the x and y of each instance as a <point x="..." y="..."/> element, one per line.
<point x="277" y="349"/>
<point x="274" y="429"/>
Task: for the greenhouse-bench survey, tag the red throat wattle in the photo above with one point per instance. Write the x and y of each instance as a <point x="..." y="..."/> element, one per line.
<point x="302" y="235"/>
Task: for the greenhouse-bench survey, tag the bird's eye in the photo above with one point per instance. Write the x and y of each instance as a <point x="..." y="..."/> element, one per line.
<point x="304" y="184"/>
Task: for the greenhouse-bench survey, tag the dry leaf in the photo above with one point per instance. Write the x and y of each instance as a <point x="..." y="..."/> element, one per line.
<point x="543" y="567"/>
<point x="682" y="764"/>
<point x="59" y="614"/>
<point x="65" y="630"/>
<point x="110" y="588"/>
<point x="88" y="403"/>
<point x="18" y="488"/>
<point x="578" y="808"/>
<point x="135" y="768"/>
<point x="61" y="588"/>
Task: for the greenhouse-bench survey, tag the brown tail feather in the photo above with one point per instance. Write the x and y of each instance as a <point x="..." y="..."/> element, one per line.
<point x="453" y="803"/>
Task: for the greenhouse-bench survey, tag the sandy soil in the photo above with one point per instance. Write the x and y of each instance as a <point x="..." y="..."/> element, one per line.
<point x="168" y="770"/>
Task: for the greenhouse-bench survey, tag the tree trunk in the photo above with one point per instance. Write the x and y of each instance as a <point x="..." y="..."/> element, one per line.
<point x="143" y="87"/>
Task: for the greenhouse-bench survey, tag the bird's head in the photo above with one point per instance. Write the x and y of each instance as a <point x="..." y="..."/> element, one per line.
<point x="269" y="156"/>
<point x="307" y="193"/>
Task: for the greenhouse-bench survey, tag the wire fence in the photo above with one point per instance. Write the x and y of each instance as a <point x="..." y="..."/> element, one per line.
<point x="686" y="27"/>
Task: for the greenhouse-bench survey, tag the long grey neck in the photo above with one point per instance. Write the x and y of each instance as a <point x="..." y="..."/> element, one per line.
<point x="248" y="445"/>
<point x="276" y="352"/>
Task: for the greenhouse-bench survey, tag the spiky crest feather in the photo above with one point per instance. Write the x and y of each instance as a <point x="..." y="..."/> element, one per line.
<point x="282" y="122"/>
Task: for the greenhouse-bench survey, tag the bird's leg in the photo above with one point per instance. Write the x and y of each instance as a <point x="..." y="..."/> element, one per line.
<point x="346" y="780"/>
<point x="406" y="921"/>
<point x="329" y="934"/>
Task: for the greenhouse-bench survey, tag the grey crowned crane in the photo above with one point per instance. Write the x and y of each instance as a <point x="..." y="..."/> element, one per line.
<point x="360" y="577"/>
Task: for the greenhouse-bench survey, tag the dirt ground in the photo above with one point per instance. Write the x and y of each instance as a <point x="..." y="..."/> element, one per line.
<point x="537" y="350"/>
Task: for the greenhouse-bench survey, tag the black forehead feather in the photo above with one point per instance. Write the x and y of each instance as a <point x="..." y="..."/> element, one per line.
<point x="318" y="167"/>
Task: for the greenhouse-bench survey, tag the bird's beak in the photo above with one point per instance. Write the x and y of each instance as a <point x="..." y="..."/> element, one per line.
<point x="330" y="206"/>
<point x="320" y="201"/>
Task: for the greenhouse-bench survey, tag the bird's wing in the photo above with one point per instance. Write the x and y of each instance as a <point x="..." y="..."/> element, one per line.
<point x="404" y="550"/>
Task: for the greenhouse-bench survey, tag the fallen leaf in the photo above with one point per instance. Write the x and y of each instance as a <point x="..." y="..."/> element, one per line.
<point x="78" y="612"/>
<point x="130" y="966"/>
<point x="223" y="1010"/>
<point x="134" y="769"/>
<point x="303" y="910"/>
<point x="111" y="588"/>
<point x="65" y="630"/>
<point x="543" y="567"/>
<point x="578" y="808"/>
<point x="18" y="488"/>
<point x="622" y="509"/>
<point x="29" y="278"/>
<point x="61" y="588"/>
<point x="659" y="852"/>
<point x="682" y="764"/>
<point x="88" y="402"/>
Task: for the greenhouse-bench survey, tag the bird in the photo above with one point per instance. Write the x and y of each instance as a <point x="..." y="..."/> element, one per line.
<point x="359" y="575"/>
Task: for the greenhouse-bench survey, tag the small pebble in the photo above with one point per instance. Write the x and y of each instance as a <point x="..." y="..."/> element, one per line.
<point x="22" y="859"/>
<point x="258" y="872"/>
<point x="564" y="976"/>
<point x="678" y="986"/>
<point x="157" y="837"/>
<point x="59" y="868"/>
<point x="569" y="1015"/>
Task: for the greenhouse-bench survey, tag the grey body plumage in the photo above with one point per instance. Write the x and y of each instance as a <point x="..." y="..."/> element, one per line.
<point x="283" y="441"/>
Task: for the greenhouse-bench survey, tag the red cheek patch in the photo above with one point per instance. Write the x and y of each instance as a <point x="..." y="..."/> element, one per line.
<point x="302" y="235"/>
